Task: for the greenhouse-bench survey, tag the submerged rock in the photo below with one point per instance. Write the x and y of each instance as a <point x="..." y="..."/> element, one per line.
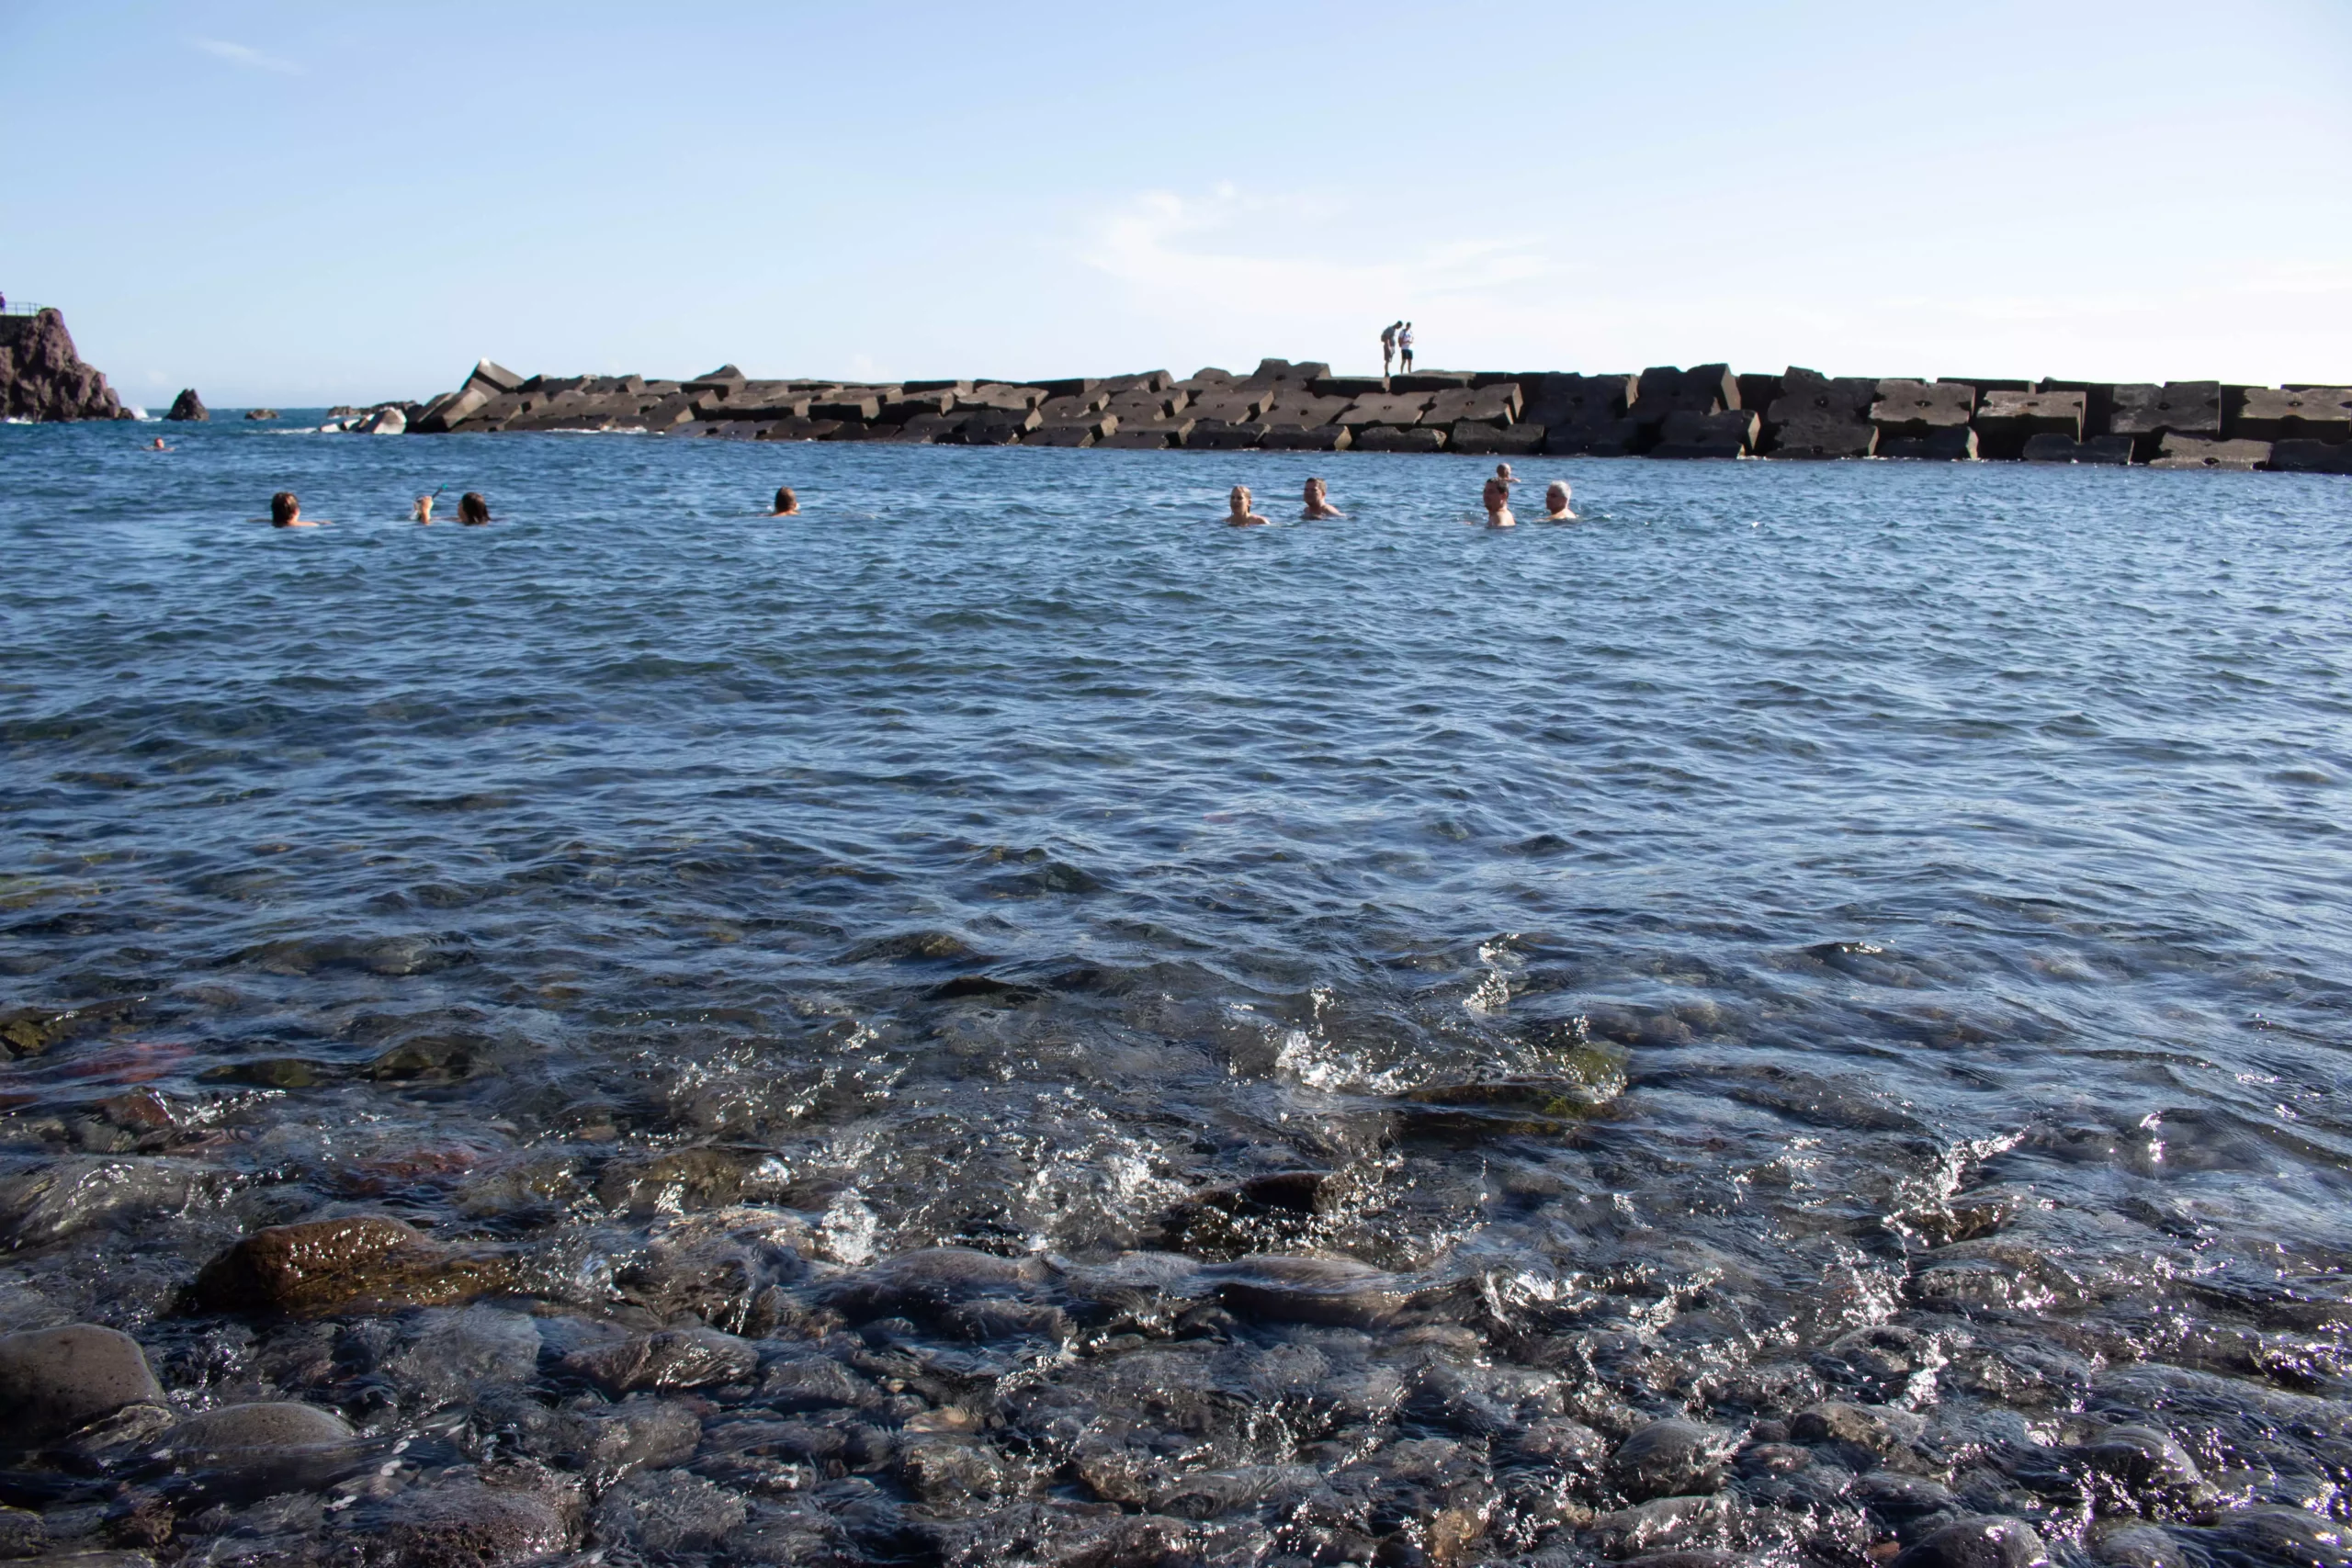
<point x="672" y="1358"/>
<point x="266" y="1447"/>
<point x="1669" y="1459"/>
<point x="1980" y="1542"/>
<point x="320" y="1267"/>
<point x="924" y="1285"/>
<point x="667" y="1511"/>
<point x="53" y="1381"/>
<point x="1337" y="1291"/>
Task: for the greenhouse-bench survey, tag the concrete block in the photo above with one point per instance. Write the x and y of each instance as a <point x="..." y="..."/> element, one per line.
<point x="2304" y="413"/>
<point x="1231" y="407"/>
<point x="2175" y="451"/>
<point x="1151" y="437"/>
<point x="1308" y="438"/>
<point x="453" y="408"/>
<point x="998" y="427"/>
<point x="1386" y="408"/>
<point x="1306" y="370"/>
<point x="663" y="414"/>
<point x="1809" y="397"/>
<point x="1305" y="409"/>
<point x="494" y="378"/>
<point x="1062" y="435"/>
<point x="1947" y="444"/>
<point x="1141" y="405"/>
<point x="726" y="378"/>
<point x="1759" y="391"/>
<point x="1983" y="386"/>
<point x="2007" y="420"/>
<point x="1349" y="386"/>
<point x="1728" y="434"/>
<point x="862" y="410"/>
<point x="703" y="429"/>
<point x="959" y="387"/>
<point x="1702" y="389"/>
<point x="1207" y="373"/>
<point x="1399" y="438"/>
<point x="1594" y="438"/>
<point x="1148" y="381"/>
<point x="859" y="430"/>
<point x="1498" y="405"/>
<point x="1480" y="436"/>
<point x="1920" y="407"/>
<point x="1820" y="435"/>
<point x="1073" y="409"/>
<point x="1430" y="382"/>
<point x="795" y="430"/>
<point x="2114" y="450"/>
<point x="906" y="405"/>
<point x="2186" y="408"/>
<point x="1001" y="395"/>
<point x="2099" y="403"/>
<point x="933" y="426"/>
<point x="1556" y="401"/>
<point x="2301" y="455"/>
<point x="1225" y="435"/>
<point x="1074" y="386"/>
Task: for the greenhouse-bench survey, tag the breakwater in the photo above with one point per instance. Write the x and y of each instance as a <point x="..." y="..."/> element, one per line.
<point x="1708" y="410"/>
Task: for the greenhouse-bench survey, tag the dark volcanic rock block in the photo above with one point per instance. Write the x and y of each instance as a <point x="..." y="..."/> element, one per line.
<point x="1395" y="438"/>
<point x="2305" y="413"/>
<point x="1949" y="445"/>
<point x="1598" y="438"/>
<point x="1760" y="391"/>
<point x="1821" y="435"/>
<point x="1349" y="386"/>
<point x="1498" y="405"/>
<point x="2301" y="454"/>
<point x="1920" y="407"/>
<point x="1308" y="438"/>
<point x="1430" y="382"/>
<point x="1729" y="433"/>
<point x="1478" y="435"/>
<point x="1226" y="436"/>
<point x="2007" y="420"/>
<point x="188" y="408"/>
<point x="1387" y="408"/>
<point x="2105" y="450"/>
<point x="2175" y="451"/>
<point x="1062" y="435"/>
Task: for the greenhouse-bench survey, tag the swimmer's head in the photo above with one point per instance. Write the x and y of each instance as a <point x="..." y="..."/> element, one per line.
<point x="785" y="501"/>
<point x="1313" y="489"/>
<point x="1240" y="500"/>
<point x="1502" y="472"/>
<point x="1556" y="495"/>
<point x="472" y="508"/>
<point x="284" y="508"/>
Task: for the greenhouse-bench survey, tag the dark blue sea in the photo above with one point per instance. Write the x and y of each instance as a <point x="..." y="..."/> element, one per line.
<point x="1405" y="1006"/>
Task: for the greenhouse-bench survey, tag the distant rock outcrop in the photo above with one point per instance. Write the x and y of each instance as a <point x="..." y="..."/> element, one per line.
<point x="261" y="413"/>
<point x="41" y="377"/>
<point x="188" y="409"/>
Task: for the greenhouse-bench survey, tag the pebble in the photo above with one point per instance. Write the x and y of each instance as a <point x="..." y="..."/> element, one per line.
<point x="1875" y="1427"/>
<point x="1980" y="1543"/>
<point x="22" y="1534"/>
<point x="1670" y="1458"/>
<point x="322" y="1267"/>
<point x="53" y="1381"/>
<point x="670" y="1358"/>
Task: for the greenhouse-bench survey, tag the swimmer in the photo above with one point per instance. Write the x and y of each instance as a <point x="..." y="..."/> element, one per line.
<point x="285" y="512"/>
<point x="1556" y="503"/>
<point x="1502" y="472"/>
<point x="424" y="513"/>
<point x="1318" y="502"/>
<point x="787" y="504"/>
<point x="473" y="510"/>
<point x="1497" y="501"/>
<point x="1241" y="516"/>
<point x="157" y="445"/>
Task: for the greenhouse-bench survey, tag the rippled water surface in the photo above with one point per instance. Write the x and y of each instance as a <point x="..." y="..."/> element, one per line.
<point x="1853" y="935"/>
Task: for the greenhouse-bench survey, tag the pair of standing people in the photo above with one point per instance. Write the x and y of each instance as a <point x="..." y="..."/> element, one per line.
<point x="1396" y="344"/>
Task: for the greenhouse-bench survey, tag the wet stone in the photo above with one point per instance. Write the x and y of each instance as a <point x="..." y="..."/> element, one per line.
<point x="507" y="1516"/>
<point x="1975" y="1543"/>
<point x="262" y="1447"/>
<point x="1310" y="1290"/>
<point x="53" y="1381"/>
<point x="65" y="1198"/>
<point x="1874" y="1429"/>
<point x="322" y="1267"/>
<point x="670" y="1359"/>
<point x="458" y="1353"/>
<point x="663" y="1512"/>
<point x="635" y="1434"/>
<point x="2128" y="1543"/>
<point x="1677" y="1522"/>
<point x="1667" y="1459"/>
<point x="924" y="1284"/>
<point x="814" y="1382"/>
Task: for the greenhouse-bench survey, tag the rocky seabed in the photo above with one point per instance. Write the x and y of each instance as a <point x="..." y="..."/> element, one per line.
<point x="1707" y="411"/>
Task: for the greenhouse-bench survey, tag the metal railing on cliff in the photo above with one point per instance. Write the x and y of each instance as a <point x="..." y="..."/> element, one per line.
<point x="21" y="308"/>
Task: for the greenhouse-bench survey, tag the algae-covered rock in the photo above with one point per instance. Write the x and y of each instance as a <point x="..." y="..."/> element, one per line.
<point x="356" y="1263"/>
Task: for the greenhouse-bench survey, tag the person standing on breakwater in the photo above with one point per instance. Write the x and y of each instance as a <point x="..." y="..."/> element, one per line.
<point x="1497" y="501"/>
<point x="1318" y="502"/>
<point x="1405" y="347"/>
<point x="285" y="512"/>
<point x="1241" y="516"/>
<point x="1389" y="344"/>
<point x="473" y="510"/>
<point x="787" y="504"/>
<point x="1556" y="503"/>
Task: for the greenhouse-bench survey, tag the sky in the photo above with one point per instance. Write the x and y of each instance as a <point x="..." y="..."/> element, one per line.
<point x="299" y="204"/>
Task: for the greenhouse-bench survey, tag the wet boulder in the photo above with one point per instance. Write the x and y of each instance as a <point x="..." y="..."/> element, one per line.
<point x="57" y="1199"/>
<point x="814" y="1382"/>
<point x="2111" y="450"/>
<point x="688" y="1179"/>
<point x="663" y="1513"/>
<point x="2140" y="1459"/>
<point x="264" y="1447"/>
<point x="358" y="1262"/>
<point x="1338" y="1291"/>
<point x="2175" y="451"/>
<point x="502" y="1517"/>
<point x="22" y="1533"/>
<point x="666" y="1358"/>
<point x="1978" y="1542"/>
<point x="187" y="408"/>
<point x="1670" y="1458"/>
<point x="637" y="1434"/>
<point x="458" y="1353"/>
<point x="1874" y="1429"/>
<point x="2129" y="1544"/>
<point x="924" y="1285"/>
<point x="1680" y="1523"/>
<point x="53" y="1381"/>
<point x="2008" y="420"/>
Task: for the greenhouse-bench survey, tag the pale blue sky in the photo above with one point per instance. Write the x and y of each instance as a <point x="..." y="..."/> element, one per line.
<point x="300" y="204"/>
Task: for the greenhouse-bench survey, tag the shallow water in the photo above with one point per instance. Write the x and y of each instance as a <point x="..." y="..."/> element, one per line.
<point x="1797" y="900"/>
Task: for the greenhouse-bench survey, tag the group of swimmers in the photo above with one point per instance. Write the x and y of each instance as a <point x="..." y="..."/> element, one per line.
<point x="285" y="512"/>
<point x="1496" y="498"/>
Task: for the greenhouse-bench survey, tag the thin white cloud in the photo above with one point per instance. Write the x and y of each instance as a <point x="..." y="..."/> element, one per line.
<point x="251" y="58"/>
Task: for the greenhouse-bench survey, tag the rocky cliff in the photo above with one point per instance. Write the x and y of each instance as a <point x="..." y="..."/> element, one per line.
<point x="42" y="378"/>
